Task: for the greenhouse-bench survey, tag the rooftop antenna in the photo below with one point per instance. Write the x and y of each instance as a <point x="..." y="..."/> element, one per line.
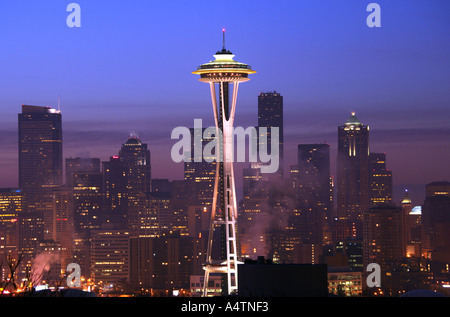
<point x="223" y="30"/>
<point x="59" y="104"/>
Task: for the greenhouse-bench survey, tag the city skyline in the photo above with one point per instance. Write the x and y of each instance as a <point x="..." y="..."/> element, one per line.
<point x="91" y="180"/>
<point x="394" y="77"/>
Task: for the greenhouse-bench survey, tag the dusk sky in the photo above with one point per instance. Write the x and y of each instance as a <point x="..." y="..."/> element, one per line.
<point x="128" y="69"/>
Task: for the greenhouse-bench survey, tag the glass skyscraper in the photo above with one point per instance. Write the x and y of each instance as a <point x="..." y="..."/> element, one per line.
<point x="40" y="147"/>
<point x="352" y="177"/>
<point x="270" y="115"/>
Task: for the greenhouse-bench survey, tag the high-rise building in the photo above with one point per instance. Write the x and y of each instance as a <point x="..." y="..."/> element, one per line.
<point x="88" y="202"/>
<point x="80" y="164"/>
<point x="380" y="180"/>
<point x="110" y="255"/>
<point x="40" y="147"/>
<point x="254" y="214"/>
<point x="40" y="173"/>
<point x="412" y="221"/>
<point x="126" y="177"/>
<point x="87" y="188"/>
<point x="383" y="240"/>
<point x="162" y="264"/>
<point x="11" y="205"/>
<point x="436" y="217"/>
<point x="352" y="178"/>
<point x="135" y="157"/>
<point x="315" y="192"/>
<point x="114" y="191"/>
<point x="63" y="221"/>
<point x="270" y="115"/>
<point x="201" y="175"/>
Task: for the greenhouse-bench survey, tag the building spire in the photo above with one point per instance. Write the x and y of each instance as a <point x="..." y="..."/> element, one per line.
<point x="223" y="30"/>
<point x="406" y="199"/>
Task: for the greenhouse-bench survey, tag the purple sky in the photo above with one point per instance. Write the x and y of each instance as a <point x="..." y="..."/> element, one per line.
<point x="128" y="69"/>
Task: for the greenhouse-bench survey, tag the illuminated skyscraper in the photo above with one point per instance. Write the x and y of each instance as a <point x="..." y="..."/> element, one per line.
<point x="135" y="157"/>
<point x="87" y="189"/>
<point x="11" y="205"/>
<point x="412" y="222"/>
<point x="383" y="241"/>
<point x="352" y="178"/>
<point x="40" y="147"/>
<point x="110" y="255"/>
<point x="201" y="175"/>
<point x="63" y="222"/>
<point x="40" y="173"/>
<point x="380" y="180"/>
<point x="224" y="76"/>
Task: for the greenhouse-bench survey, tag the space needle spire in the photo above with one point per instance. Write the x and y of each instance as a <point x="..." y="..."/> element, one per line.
<point x="223" y="31"/>
<point x="223" y="75"/>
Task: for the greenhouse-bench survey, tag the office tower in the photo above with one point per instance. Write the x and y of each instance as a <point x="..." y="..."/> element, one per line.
<point x="224" y="75"/>
<point x="110" y="255"/>
<point x="87" y="189"/>
<point x="352" y="178"/>
<point x="144" y="222"/>
<point x="135" y="157"/>
<point x="270" y="115"/>
<point x="160" y="206"/>
<point x="436" y="217"/>
<point x="380" y="180"/>
<point x="314" y="188"/>
<point x="80" y="164"/>
<point x="254" y="214"/>
<point x="40" y="162"/>
<point x="201" y="174"/>
<point x="88" y="202"/>
<point x="11" y="205"/>
<point x="383" y="241"/>
<point x="163" y="264"/>
<point x="31" y="232"/>
<point x="63" y="220"/>
<point x="114" y="191"/>
<point x="181" y="199"/>
<point x="40" y="147"/>
<point x="412" y="220"/>
<point x="252" y="179"/>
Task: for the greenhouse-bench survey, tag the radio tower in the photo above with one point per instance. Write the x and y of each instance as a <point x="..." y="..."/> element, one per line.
<point x="224" y="76"/>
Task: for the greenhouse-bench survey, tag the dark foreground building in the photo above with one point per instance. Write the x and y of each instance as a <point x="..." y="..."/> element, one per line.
<point x="262" y="279"/>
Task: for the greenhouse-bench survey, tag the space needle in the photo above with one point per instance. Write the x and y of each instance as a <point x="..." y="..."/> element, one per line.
<point x="224" y="75"/>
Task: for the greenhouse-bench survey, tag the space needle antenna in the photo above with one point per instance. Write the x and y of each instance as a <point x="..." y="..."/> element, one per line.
<point x="223" y="30"/>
